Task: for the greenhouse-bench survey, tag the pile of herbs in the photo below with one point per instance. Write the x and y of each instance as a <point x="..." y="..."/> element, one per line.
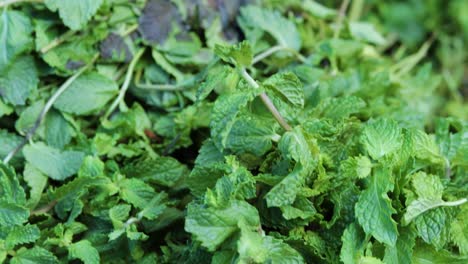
<point x="233" y="131"/>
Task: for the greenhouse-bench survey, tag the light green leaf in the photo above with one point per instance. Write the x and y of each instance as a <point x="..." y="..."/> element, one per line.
<point x="209" y="167"/>
<point x="370" y="260"/>
<point x="256" y="248"/>
<point x="75" y="14"/>
<point x="282" y="29"/>
<point x="136" y="192"/>
<point x="288" y="86"/>
<point x="213" y="226"/>
<point x="215" y="78"/>
<point x="356" y="167"/>
<point x="92" y="167"/>
<point x="84" y="251"/>
<point x="87" y="94"/>
<point x="427" y="254"/>
<point x="18" y="235"/>
<point x="366" y="32"/>
<point x="36" y="255"/>
<point x="374" y="209"/>
<point x="10" y="188"/>
<point x="425" y="147"/>
<point x="9" y="141"/>
<point x="342" y="107"/>
<point x="12" y="214"/>
<point x="28" y="117"/>
<point x="36" y="181"/>
<point x="459" y="230"/>
<point x="56" y="164"/>
<point x="402" y="252"/>
<point x="285" y="192"/>
<point x="381" y="138"/>
<point x="58" y="132"/>
<point x="119" y="213"/>
<point x="318" y="10"/>
<point x="155" y="207"/>
<point x="15" y="36"/>
<point x="165" y="171"/>
<point x="429" y="190"/>
<point x="353" y="244"/>
<point x="294" y="146"/>
<point x="240" y="55"/>
<point x="18" y="80"/>
<point x="224" y="114"/>
<point x="432" y="226"/>
<point x="251" y="135"/>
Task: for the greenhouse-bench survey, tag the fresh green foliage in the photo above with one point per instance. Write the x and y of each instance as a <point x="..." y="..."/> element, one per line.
<point x="169" y="131"/>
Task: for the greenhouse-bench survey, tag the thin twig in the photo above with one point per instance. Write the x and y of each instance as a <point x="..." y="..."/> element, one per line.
<point x="57" y="41"/>
<point x="129" y="30"/>
<point x="266" y="100"/>
<point x="44" y="209"/>
<point x="160" y="87"/>
<point x="275" y="49"/>
<point x="356" y="10"/>
<point x="126" y="83"/>
<point x="340" y="18"/>
<point x="9" y="2"/>
<point x="46" y="109"/>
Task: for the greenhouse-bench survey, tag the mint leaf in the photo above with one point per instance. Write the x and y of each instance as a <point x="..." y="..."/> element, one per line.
<point x="374" y="209"/>
<point x="366" y="32"/>
<point x="87" y="94"/>
<point x="18" y="235"/>
<point x="381" y="138"/>
<point x="425" y="147"/>
<point x="223" y="116"/>
<point x="288" y="86"/>
<point x="353" y="244"/>
<point x="251" y="135"/>
<point x="402" y="252"/>
<point x="56" y="164"/>
<point x="253" y="247"/>
<point x="212" y="226"/>
<point x="74" y="14"/>
<point x="240" y="55"/>
<point x="18" y="80"/>
<point x="84" y="251"/>
<point x="15" y="32"/>
<point x="34" y="255"/>
<point x="283" y="30"/>
<point x="429" y="190"/>
<point x="36" y="181"/>
<point x="12" y="214"/>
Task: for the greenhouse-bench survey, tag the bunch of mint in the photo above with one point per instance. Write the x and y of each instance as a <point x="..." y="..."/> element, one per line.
<point x="243" y="131"/>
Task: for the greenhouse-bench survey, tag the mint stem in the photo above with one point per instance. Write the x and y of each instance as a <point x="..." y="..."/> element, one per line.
<point x="266" y="100"/>
<point x="57" y="41"/>
<point x="275" y="49"/>
<point x="340" y="18"/>
<point x="126" y="83"/>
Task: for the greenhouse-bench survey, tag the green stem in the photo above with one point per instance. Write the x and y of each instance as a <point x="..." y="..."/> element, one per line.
<point x="356" y="10"/>
<point x="275" y="49"/>
<point x="9" y="2"/>
<point x="57" y="41"/>
<point x="129" y="30"/>
<point x="46" y="109"/>
<point x="44" y="209"/>
<point x="340" y="18"/>
<point x="125" y="85"/>
<point x="407" y="64"/>
<point x="266" y="100"/>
